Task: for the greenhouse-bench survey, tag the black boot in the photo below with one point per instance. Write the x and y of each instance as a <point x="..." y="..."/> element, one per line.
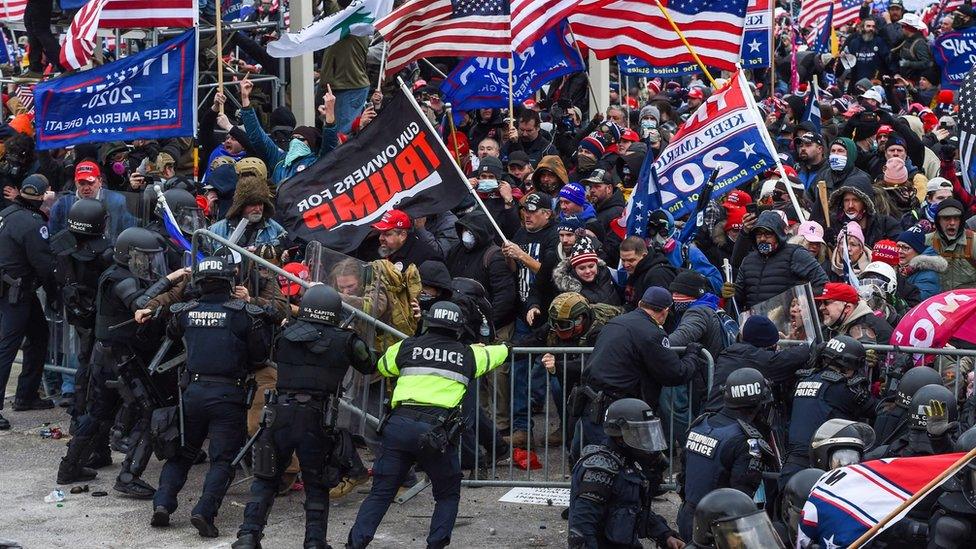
<point x="160" y="517"/>
<point x="99" y="459"/>
<point x="71" y="469"/>
<point x="248" y="541"/>
<point x="128" y="482"/>
<point x="4" y="424"/>
<point x="133" y="487"/>
<point x="205" y="527"/>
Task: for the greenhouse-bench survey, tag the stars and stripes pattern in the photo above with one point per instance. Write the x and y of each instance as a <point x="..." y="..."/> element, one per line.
<point x="78" y="42"/>
<point x="532" y="19"/>
<point x="966" y="99"/>
<point x="25" y="93"/>
<point x="433" y="28"/>
<point x="639" y="28"/>
<point x="12" y="10"/>
<point x="813" y="12"/>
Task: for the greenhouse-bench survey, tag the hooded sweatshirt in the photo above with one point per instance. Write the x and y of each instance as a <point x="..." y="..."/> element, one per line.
<point x="485" y="263"/>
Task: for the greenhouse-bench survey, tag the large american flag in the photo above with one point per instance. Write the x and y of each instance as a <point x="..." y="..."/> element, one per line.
<point x="812" y="12"/>
<point x="532" y="19"/>
<point x="639" y="28"/>
<point x="12" y="10"/>
<point x="441" y="28"/>
<point x="966" y="98"/>
<point x="78" y="43"/>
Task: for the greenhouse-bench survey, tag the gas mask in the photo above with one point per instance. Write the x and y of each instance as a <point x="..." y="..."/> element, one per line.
<point x="118" y="167"/>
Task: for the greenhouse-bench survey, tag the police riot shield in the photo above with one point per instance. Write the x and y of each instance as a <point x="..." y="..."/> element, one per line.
<point x="357" y="286"/>
<point x="794" y="312"/>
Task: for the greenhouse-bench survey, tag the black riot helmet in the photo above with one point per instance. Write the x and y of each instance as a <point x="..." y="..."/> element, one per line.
<point x="185" y="210"/>
<point x="141" y="251"/>
<point x="473" y="299"/>
<point x="213" y="268"/>
<point x="633" y="421"/>
<point x="87" y="217"/>
<point x="965" y="443"/>
<point x="840" y="442"/>
<point x="918" y="409"/>
<point x="445" y="315"/>
<point x="727" y="518"/>
<point x="913" y="380"/>
<point x="795" y="495"/>
<point x="321" y="304"/>
<point x="746" y="389"/>
<point x="843" y="353"/>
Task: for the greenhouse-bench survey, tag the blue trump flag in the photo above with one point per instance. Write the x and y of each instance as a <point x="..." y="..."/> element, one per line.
<point x="482" y="82"/>
<point x="812" y="114"/>
<point x="150" y="95"/>
<point x="757" y="38"/>
<point x="822" y="45"/>
<point x="635" y="66"/>
<point x="953" y="52"/>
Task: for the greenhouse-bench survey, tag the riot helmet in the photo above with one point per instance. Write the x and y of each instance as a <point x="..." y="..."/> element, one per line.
<point x="87" y="217"/>
<point x="919" y="408"/>
<point x="843" y="353"/>
<point x="213" y="269"/>
<point x="913" y="380"/>
<point x="965" y="443"/>
<point x="840" y="442"/>
<point x="746" y="389"/>
<point x="570" y="315"/>
<point x="471" y="296"/>
<point x="727" y="518"/>
<point x="189" y="217"/>
<point x="795" y="495"/>
<point x="321" y="304"/>
<point x="633" y="421"/>
<point x="143" y="252"/>
<point x="446" y="316"/>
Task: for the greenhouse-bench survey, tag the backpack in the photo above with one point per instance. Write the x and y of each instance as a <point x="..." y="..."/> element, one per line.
<point x="730" y="328"/>
<point x="399" y="289"/>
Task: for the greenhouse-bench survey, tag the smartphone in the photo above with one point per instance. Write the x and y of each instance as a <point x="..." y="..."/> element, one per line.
<point x="752" y="208"/>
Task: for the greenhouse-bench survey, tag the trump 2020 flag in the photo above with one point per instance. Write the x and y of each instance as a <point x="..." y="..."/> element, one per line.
<point x="151" y="95"/>
<point x="757" y="39"/>
<point x="847" y="502"/>
<point x="482" y="82"/>
<point x="727" y="133"/>
<point x="398" y="161"/>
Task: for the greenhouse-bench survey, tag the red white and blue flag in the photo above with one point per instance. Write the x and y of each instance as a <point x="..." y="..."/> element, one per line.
<point x="847" y="502"/>
<point x="813" y="12"/>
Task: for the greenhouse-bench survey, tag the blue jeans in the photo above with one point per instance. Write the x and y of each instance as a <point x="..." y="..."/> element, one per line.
<point x="528" y="383"/>
<point x="348" y="106"/>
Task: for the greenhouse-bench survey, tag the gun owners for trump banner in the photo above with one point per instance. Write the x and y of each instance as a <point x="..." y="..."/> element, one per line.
<point x="151" y="95"/>
<point x="398" y="161"/>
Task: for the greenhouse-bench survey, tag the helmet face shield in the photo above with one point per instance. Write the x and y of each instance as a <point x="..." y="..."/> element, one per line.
<point x="147" y="264"/>
<point x="646" y="436"/>
<point x="190" y="219"/>
<point x="844" y="457"/>
<point x="753" y="531"/>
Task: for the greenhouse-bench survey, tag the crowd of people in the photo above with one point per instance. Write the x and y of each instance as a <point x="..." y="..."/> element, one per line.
<point x="872" y="218"/>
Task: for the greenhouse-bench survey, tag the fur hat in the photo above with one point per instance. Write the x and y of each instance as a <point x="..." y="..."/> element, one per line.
<point x="251" y="190"/>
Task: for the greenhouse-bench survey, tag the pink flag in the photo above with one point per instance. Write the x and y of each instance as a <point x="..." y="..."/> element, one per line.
<point x="934" y="321"/>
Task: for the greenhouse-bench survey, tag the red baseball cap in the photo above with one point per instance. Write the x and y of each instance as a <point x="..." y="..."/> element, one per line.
<point x="393" y="219"/>
<point x="288" y="287"/>
<point x="838" y="291"/>
<point x="737" y="198"/>
<point x="87" y="171"/>
<point x="629" y="135"/>
<point x="884" y="129"/>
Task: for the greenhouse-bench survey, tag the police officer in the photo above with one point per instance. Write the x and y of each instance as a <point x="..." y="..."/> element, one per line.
<point x="610" y="497"/>
<point x="794" y="497"/>
<point x="832" y="390"/>
<point x="214" y="393"/>
<point x="932" y="425"/>
<point x="726" y="449"/>
<point x="82" y="253"/>
<point x="633" y="359"/>
<point x="189" y="217"/>
<point x="432" y="371"/>
<point x="25" y="263"/>
<point x="892" y="418"/>
<point x="121" y="351"/>
<point x="313" y="355"/>
<point x="840" y="442"/>
<point x="953" y="522"/>
<point x="728" y="518"/>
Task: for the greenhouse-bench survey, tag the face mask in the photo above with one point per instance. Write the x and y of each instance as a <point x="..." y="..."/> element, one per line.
<point x="648" y="124"/>
<point x="874" y="146"/>
<point x="679" y="307"/>
<point x="118" y="168"/>
<point x="487" y="185"/>
<point x="838" y="162"/>
<point x="764" y="248"/>
<point x="467" y="239"/>
<point x="854" y="216"/>
<point x="931" y="210"/>
<point x="296" y="149"/>
<point x="585" y="163"/>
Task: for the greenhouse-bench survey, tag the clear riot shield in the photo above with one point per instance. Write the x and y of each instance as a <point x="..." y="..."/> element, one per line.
<point x="357" y="286"/>
<point x="794" y="312"/>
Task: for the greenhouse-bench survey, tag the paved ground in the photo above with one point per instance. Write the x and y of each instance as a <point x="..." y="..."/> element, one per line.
<point x="28" y="465"/>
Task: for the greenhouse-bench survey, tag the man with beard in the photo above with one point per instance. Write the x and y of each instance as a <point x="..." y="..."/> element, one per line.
<point x="399" y="244"/>
<point x="869" y="50"/>
<point x="812" y="160"/>
<point x="956" y="244"/>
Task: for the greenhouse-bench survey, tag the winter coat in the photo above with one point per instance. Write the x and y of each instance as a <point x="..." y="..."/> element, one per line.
<point x="554" y="164"/>
<point x="610" y="209"/>
<point x="493" y="128"/>
<point x="268" y="231"/>
<point x="871" y="56"/>
<point x="875" y="225"/>
<point x="961" y="256"/>
<point x="700" y="323"/>
<point x="764" y="277"/>
<point x="536" y="149"/>
<point x="653" y="270"/>
<point x="486" y="264"/>
<point x="601" y="290"/>
<point x="779" y="367"/>
<point x="439" y="232"/>
<point x="924" y="270"/>
<point x="274" y="157"/>
<point x="694" y="259"/>
<point x="862" y="322"/>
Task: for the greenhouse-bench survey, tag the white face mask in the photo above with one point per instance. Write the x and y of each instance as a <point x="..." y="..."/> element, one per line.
<point x="838" y="162"/>
<point x="468" y="240"/>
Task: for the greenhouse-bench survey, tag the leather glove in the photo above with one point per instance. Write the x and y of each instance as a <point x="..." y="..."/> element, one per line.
<point x="693" y="348"/>
<point x="938" y="418"/>
<point x="728" y="290"/>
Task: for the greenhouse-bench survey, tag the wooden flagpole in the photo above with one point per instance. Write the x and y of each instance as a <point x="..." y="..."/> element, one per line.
<point x="684" y="41"/>
<point x="453" y="136"/>
<point x="772" y="49"/>
<point x="220" y="51"/>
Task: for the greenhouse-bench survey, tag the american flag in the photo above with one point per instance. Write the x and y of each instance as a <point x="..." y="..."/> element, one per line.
<point x="458" y="28"/>
<point x="626" y="27"/>
<point x="25" y="92"/>
<point x="532" y="19"/>
<point x="78" y="42"/>
<point x="812" y="12"/>
<point x="12" y="10"/>
<point x="966" y="98"/>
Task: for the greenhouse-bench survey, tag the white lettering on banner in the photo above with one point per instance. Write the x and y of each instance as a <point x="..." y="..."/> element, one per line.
<point x="701" y="444"/>
<point x="118" y="77"/>
<point x="558" y="497"/>
<point x="960" y="46"/>
<point x="922" y="333"/>
<point x="437" y="355"/>
<point x="808" y="388"/>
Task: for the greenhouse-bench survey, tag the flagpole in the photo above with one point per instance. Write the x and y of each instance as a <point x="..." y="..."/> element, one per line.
<point x="433" y="66"/>
<point x="511" y="92"/>
<point x="772" y="49"/>
<point x="932" y="485"/>
<point x="379" y="81"/>
<point x="450" y="121"/>
<point x="220" y="52"/>
<point x="587" y="71"/>
<point x="684" y="41"/>
<point x="460" y="172"/>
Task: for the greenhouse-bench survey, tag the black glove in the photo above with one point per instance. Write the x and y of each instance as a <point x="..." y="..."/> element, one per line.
<point x="694" y="348"/>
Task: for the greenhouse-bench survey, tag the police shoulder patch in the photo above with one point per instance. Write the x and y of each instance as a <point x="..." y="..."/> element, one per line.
<point x="602" y="459"/>
<point x="253" y="310"/>
<point x="665" y="342"/>
<point x="177" y="308"/>
<point x="235" y="305"/>
<point x="832" y="375"/>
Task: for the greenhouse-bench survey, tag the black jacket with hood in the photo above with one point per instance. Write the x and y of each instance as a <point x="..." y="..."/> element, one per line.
<point x="610" y="209"/>
<point x="485" y="263"/>
<point x="875" y="227"/>
<point x="653" y="270"/>
<point x="763" y="277"/>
